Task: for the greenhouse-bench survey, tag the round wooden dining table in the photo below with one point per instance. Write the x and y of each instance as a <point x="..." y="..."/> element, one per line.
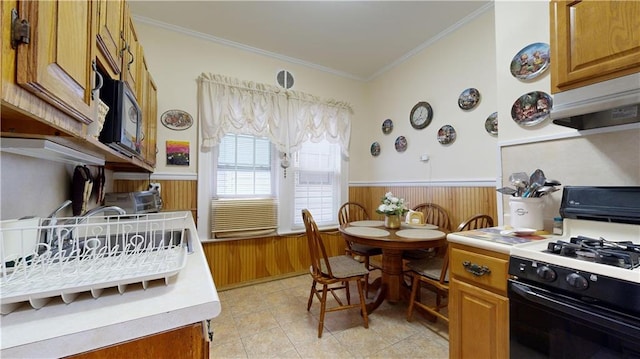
<point x="392" y="242"/>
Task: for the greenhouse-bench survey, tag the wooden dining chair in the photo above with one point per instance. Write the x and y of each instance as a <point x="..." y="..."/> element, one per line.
<point x="351" y="212"/>
<point x="433" y="214"/>
<point x="433" y="272"/>
<point x="476" y="221"/>
<point x="333" y="274"/>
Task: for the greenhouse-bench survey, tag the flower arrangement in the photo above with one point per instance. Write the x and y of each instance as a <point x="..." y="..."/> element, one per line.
<point x="391" y="205"/>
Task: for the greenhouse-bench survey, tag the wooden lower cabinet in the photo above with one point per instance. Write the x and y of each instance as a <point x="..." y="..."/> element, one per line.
<point x="479" y="322"/>
<point x="185" y="342"/>
<point x="478" y="305"/>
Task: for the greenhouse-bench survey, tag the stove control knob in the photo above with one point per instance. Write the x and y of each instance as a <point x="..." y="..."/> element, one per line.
<point x="546" y="274"/>
<point x="577" y="281"/>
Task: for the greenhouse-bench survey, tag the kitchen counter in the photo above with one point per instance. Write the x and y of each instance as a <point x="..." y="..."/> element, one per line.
<point x="491" y="239"/>
<point x="60" y="329"/>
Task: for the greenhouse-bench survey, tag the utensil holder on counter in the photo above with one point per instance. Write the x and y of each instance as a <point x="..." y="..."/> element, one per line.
<point x="526" y="212"/>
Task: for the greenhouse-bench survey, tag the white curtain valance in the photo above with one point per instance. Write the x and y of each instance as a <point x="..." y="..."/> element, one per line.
<point x="287" y="118"/>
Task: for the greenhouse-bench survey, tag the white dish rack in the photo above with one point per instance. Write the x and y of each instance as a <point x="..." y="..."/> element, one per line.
<point x="79" y="255"/>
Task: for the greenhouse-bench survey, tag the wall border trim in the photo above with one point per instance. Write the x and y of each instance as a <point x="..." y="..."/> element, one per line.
<point x="443" y="183"/>
<point x="155" y="176"/>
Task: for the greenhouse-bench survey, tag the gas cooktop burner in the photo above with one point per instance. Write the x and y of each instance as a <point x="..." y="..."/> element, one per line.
<point x="620" y="254"/>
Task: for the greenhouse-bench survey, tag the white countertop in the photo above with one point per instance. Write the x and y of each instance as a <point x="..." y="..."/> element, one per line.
<point x="489" y="239"/>
<point x="60" y="329"/>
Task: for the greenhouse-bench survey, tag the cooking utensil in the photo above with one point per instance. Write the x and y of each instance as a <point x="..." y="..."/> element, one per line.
<point x="520" y="180"/>
<point x="507" y="190"/>
<point x="537" y="177"/>
<point x="544" y="190"/>
<point x="552" y="182"/>
<point x="529" y="192"/>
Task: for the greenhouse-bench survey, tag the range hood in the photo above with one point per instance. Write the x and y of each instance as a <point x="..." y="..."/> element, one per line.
<point x="608" y="103"/>
<point x="45" y="149"/>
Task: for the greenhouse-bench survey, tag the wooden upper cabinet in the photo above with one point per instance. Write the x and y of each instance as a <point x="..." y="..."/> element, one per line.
<point x="56" y="64"/>
<point x="149" y="103"/>
<point x="131" y="59"/>
<point x="109" y="36"/>
<point x="593" y="41"/>
<point x="152" y="121"/>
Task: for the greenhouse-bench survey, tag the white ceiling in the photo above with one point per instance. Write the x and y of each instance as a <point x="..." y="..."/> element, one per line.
<point x="356" y="39"/>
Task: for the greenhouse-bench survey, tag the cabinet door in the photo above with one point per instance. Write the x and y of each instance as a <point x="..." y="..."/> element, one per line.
<point x="130" y="63"/>
<point x="478" y="322"/>
<point x="109" y="36"/>
<point x="593" y="41"/>
<point x="56" y="65"/>
<point x="152" y="121"/>
<point x="185" y="342"/>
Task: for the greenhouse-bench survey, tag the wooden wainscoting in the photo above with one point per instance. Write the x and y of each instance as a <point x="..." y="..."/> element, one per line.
<point x="245" y="261"/>
<point x="176" y="195"/>
<point x="240" y="262"/>
<point x="460" y="202"/>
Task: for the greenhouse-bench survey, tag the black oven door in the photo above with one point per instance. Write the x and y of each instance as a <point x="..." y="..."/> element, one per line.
<point x="545" y="324"/>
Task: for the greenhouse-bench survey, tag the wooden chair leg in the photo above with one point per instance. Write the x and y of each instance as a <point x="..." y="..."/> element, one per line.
<point x="346" y="286"/>
<point x="311" y="294"/>
<point x="323" y="307"/>
<point x="415" y="286"/>
<point x="363" y="304"/>
<point x="366" y="277"/>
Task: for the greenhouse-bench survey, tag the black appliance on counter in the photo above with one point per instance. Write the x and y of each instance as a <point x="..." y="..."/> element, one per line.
<point x="578" y="295"/>
<point x="123" y="122"/>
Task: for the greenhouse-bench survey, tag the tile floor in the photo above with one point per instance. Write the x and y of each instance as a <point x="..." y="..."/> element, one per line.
<point x="270" y="320"/>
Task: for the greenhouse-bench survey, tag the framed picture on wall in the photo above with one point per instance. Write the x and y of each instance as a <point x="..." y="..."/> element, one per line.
<point x="178" y="153"/>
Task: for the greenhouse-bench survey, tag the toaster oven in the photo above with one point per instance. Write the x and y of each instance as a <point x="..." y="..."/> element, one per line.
<point x="135" y="202"/>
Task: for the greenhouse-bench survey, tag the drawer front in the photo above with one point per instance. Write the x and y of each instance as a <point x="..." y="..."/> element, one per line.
<point x="479" y="269"/>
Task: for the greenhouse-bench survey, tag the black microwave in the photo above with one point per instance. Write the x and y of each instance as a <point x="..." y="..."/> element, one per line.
<point x="122" y="125"/>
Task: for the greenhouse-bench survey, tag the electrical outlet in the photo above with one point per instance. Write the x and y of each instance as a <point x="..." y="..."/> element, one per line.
<point x="424" y="157"/>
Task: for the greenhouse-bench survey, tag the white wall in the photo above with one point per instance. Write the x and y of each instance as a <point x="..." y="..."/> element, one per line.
<point x="438" y="75"/>
<point x="462" y="59"/>
<point x="35" y="187"/>
<point x="176" y="59"/>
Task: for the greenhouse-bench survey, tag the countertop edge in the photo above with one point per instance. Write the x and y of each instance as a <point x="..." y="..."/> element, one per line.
<point x="478" y="243"/>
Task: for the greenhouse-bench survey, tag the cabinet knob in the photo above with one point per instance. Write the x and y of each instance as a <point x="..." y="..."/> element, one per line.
<point x="476" y="269"/>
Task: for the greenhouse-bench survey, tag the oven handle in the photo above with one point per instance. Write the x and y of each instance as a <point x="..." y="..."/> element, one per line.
<point x="574" y="309"/>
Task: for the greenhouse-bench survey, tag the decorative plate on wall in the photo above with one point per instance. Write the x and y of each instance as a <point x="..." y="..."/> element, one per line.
<point x="446" y="134"/>
<point x="176" y="120"/>
<point x="491" y="124"/>
<point x="401" y="144"/>
<point x="531" y="61"/>
<point x="375" y="149"/>
<point x="532" y="108"/>
<point x="387" y="126"/>
<point x="468" y="99"/>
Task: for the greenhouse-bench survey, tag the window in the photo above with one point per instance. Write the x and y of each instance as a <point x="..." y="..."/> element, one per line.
<point x="244" y="167"/>
<point x="317" y="182"/>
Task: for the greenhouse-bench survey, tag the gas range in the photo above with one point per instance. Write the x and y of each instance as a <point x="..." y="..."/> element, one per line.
<point x="573" y="265"/>
<point x="582" y="262"/>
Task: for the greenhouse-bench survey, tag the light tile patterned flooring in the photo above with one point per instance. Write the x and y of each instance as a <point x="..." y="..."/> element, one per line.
<point x="270" y="320"/>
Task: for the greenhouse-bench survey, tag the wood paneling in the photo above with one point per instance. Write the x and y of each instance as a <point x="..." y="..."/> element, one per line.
<point x="460" y="202"/>
<point x="256" y="259"/>
<point x="239" y="262"/>
<point x="176" y="195"/>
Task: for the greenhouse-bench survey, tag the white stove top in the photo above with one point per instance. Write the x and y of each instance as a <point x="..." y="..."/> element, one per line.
<point x="535" y="250"/>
